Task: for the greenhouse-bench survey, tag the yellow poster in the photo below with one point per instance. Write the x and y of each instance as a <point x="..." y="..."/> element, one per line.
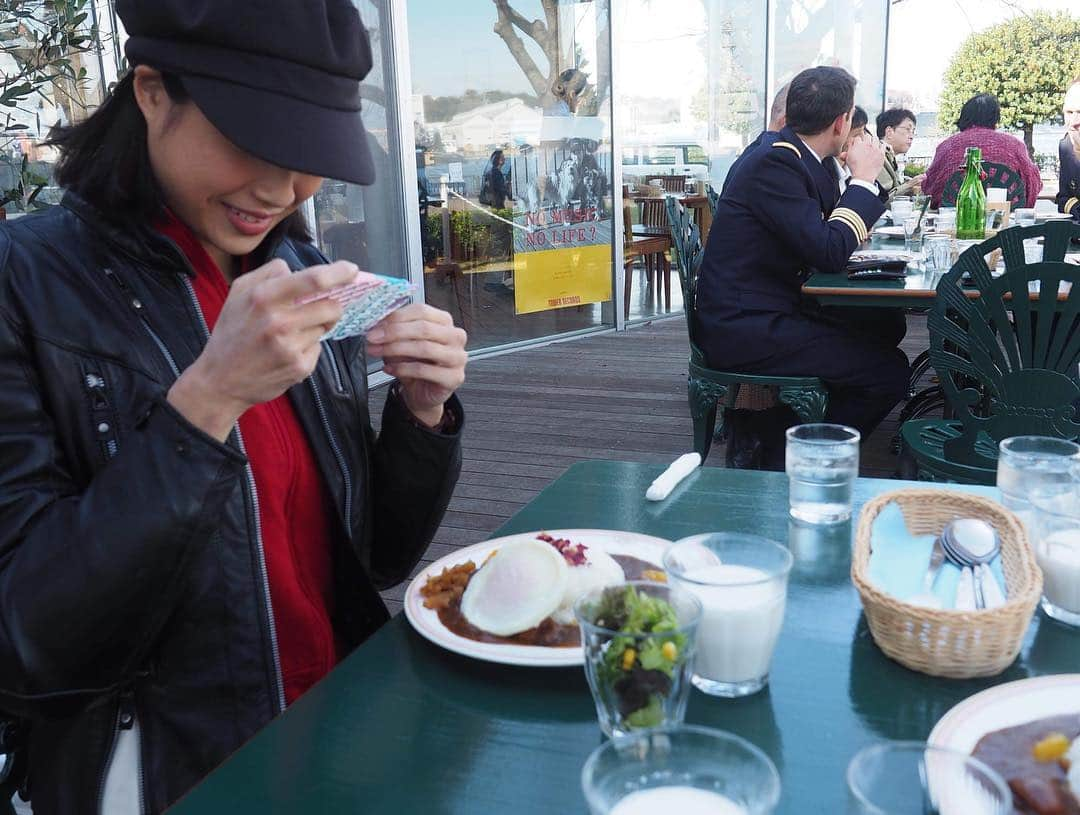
<point x="558" y="278"/>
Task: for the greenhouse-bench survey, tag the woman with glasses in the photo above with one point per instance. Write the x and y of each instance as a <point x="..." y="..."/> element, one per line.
<point x="977" y="124"/>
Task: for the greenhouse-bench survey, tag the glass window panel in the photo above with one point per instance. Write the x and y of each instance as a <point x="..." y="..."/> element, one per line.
<point x="848" y="33"/>
<point x="691" y="87"/>
<point x="513" y="138"/>
<point x="364" y="224"/>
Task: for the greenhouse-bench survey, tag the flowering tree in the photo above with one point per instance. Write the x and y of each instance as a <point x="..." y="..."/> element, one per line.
<point x="1027" y="63"/>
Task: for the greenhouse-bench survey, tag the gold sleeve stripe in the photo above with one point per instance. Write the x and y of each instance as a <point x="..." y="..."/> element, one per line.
<point x="1072" y="202"/>
<point x="852" y="219"/>
<point x="789" y="146"/>
<point x="850" y="226"/>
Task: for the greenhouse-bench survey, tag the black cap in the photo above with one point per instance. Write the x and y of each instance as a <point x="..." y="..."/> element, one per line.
<point x="279" y="78"/>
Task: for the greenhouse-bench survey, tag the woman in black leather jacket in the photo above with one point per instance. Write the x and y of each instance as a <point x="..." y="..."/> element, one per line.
<point x="165" y="589"/>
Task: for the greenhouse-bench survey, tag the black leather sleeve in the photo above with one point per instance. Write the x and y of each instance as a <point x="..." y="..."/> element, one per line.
<point x="87" y="576"/>
<point x="414" y="474"/>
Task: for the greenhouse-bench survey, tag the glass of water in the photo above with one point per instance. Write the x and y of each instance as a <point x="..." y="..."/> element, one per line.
<point x="822" y="463"/>
<point x="912" y="234"/>
<point x="1029" y="466"/>
<point x="912" y="778"/>
<point x="938" y="250"/>
<point x="946" y="220"/>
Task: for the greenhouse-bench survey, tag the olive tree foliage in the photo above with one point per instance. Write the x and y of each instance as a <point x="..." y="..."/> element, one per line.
<point x="1026" y="62"/>
<point x="43" y="43"/>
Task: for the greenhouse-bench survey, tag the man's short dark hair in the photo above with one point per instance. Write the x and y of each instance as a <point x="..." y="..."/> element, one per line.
<point x="817" y="96"/>
<point x="859" y="118"/>
<point x="981" y="110"/>
<point x="893" y="117"/>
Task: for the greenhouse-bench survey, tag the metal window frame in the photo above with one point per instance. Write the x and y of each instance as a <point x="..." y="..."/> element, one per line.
<point x="618" y="250"/>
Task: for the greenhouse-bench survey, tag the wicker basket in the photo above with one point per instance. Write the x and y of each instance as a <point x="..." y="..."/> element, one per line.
<point x="955" y="644"/>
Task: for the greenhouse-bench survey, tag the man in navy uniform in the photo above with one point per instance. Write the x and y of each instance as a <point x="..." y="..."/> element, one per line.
<point x="780" y="218"/>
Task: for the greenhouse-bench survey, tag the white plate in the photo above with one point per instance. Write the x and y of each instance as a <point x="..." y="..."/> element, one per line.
<point x="1053" y="216"/>
<point x="890" y="231"/>
<point x="426" y="621"/>
<point x="1008" y="705"/>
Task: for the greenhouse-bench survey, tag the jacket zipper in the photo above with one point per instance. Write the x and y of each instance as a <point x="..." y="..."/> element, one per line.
<point x="137" y="307"/>
<point x="254" y="495"/>
<point x="101" y="414"/>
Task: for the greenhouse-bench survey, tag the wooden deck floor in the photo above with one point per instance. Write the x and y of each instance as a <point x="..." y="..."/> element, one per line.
<point x="533" y="413"/>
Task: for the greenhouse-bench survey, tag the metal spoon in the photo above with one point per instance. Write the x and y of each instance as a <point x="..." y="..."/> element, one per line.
<point x="971" y="542"/>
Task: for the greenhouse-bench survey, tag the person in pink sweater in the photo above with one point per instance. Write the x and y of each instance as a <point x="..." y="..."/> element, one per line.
<point x="978" y="123"/>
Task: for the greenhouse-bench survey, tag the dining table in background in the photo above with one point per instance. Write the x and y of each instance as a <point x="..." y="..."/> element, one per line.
<point x="698" y="203"/>
<point x="403" y="726"/>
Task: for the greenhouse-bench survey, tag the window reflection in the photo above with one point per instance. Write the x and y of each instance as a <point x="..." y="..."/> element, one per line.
<point x="513" y="159"/>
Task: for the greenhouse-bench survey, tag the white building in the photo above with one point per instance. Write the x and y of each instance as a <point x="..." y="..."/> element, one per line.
<point x="511" y="120"/>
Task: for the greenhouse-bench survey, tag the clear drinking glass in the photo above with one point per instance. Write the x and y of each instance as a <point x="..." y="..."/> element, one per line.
<point x="741" y="581"/>
<point x="912" y="778"/>
<point x="639" y="679"/>
<point x="912" y="234"/>
<point x="1032" y="465"/>
<point x="822" y="463"/>
<point x="1056" y="539"/>
<point x="946" y="220"/>
<point x="680" y="770"/>
<point x="938" y="250"/>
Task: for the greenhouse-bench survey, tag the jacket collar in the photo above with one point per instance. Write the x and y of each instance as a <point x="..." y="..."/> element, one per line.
<point x="824" y="185"/>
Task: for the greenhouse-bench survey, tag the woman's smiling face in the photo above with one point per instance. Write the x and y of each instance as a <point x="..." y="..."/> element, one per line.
<point x="227" y="197"/>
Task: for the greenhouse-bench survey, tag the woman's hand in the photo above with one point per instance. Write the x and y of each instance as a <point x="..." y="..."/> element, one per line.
<point x="420" y="346"/>
<point x="264" y="342"/>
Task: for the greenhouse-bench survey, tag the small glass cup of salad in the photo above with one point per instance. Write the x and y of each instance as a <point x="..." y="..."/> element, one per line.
<point x="639" y="640"/>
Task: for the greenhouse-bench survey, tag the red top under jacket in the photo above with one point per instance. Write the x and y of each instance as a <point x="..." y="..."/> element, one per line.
<point x="294" y="506"/>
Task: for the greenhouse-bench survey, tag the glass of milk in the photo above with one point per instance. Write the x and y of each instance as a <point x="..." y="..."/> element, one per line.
<point x="685" y="770"/>
<point x="1057" y="548"/>
<point x="913" y="778"/>
<point x="741" y="581"/>
<point x="822" y="463"/>
<point x="1033" y="465"/>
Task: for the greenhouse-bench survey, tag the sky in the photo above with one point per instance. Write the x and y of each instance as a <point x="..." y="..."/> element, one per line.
<point x="924" y="35"/>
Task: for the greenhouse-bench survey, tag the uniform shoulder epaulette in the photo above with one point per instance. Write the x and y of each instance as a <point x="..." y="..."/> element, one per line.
<point x="789" y="146"/>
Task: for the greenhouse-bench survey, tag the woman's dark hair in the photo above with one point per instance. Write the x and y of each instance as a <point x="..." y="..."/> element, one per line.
<point x="816" y="97"/>
<point x="105" y="160"/>
<point x="981" y="110"/>
<point x="893" y="117"/>
<point x="496" y="157"/>
<point x="858" y="118"/>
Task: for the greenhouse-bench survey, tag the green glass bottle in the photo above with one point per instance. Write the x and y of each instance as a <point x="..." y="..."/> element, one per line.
<point x="971" y="202"/>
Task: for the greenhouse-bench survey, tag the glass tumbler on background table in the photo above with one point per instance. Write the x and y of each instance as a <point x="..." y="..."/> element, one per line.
<point x="1056" y="539"/>
<point x="639" y="639"/>
<point x="912" y="778"/>
<point x="937" y="249"/>
<point x="1033" y="465"/>
<point x="946" y="221"/>
<point x="913" y="240"/>
<point x="741" y="581"/>
<point x="822" y="463"/>
<point x="684" y="770"/>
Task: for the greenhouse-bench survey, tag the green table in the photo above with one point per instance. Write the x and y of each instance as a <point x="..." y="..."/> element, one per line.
<point x="402" y="726"/>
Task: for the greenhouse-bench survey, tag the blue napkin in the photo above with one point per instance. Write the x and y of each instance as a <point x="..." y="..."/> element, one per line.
<point x="898" y="560"/>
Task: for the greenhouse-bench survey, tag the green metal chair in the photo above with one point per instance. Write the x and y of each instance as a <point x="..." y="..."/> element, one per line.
<point x="709" y="389"/>
<point x="997" y="175"/>
<point x="714" y="198"/>
<point x="1009" y="365"/>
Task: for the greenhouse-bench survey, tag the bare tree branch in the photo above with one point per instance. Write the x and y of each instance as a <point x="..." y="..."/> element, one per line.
<point x="551" y="11"/>
<point x="504" y="27"/>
